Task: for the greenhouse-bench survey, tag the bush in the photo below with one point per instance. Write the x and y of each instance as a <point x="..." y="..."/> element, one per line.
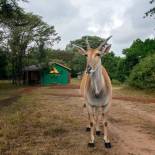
<point x="143" y="74"/>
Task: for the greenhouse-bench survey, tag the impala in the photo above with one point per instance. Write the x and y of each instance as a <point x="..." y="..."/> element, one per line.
<point x="97" y="90"/>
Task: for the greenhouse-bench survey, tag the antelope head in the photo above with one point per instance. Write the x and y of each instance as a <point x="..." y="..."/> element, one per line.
<point x="94" y="55"/>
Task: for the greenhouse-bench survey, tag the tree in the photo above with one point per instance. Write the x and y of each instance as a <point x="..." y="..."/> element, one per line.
<point x="45" y="36"/>
<point x="143" y="74"/>
<point x="121" y="72"/>
<point x="94" y="42"/>
<point x="137" y="51"/>
<point x="77" y="64"/>
<point x="110" y="62"/>
<point x="10" y="12"/>
<point x="35" y="32"/>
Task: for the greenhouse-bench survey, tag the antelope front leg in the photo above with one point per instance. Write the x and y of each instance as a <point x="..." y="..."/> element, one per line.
<point x="98" y="119"/>
<point x="85" y="110"/>
<point x="92" y="128"/>
<point x="105" y="129"/>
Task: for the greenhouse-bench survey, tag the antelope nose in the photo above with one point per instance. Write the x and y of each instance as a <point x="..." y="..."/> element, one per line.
<point x="89" y="68"/>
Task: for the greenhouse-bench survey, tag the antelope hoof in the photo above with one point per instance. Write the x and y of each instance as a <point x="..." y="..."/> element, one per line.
<point x="91" y="144"/>
<point x="107" y="145"/>
<point x="98" y="133"/>
<point x="87" y="129"/>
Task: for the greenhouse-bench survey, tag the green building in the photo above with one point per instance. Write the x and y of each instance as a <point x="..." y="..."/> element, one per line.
<point x="54" y="73"/>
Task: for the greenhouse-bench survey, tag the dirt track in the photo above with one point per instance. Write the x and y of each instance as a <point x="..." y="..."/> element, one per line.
<point x="132" y="124"/>
<point x="115" y="97"/>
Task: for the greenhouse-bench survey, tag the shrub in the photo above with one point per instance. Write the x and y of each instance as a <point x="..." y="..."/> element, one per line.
<point x="143" y="74"/>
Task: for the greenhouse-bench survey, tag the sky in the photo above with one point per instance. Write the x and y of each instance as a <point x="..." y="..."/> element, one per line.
<point x="123" y="19"/>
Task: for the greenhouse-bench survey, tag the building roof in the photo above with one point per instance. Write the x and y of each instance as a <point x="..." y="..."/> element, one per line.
<point x="40" y="66"/>
<point x="62" y="66"/>
<point x="32" y="68"/>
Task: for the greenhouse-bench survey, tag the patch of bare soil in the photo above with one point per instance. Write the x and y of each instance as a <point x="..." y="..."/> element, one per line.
<point x="12" y="99"/>
<point x="9" y="101"/>
<point x="28" y="89"/>
<point x="70" y="86"/>
<point x="116" y="97"/>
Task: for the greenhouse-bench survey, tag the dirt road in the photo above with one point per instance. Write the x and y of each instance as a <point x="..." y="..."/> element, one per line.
<point x="56" y="125"/>
<point x="132" y="125"/>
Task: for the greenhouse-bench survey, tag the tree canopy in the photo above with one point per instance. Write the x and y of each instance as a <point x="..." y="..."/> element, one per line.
<point x="94" y="42"/>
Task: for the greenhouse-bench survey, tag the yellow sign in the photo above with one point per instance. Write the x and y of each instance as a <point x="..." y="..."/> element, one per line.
<point x="54" y="71"/>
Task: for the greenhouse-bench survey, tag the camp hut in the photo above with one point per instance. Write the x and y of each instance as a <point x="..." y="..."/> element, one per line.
<point x="54" y="73"/>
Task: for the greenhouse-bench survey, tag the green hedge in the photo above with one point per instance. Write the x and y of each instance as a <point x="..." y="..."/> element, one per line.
<point x="143" y="74"/>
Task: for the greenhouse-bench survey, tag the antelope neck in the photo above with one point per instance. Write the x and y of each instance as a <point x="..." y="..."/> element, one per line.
<point x="97" y="80"/>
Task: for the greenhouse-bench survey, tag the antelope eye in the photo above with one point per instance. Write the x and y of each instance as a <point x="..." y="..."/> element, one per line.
<point x="85" y="55"/>
<point x="98" y="54"/>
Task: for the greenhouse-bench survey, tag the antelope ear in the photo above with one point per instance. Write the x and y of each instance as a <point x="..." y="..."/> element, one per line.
<point x="105" y="49"/>
<point x="80" y="49"/>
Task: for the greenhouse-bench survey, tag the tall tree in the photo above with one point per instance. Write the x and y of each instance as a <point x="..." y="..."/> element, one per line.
<point x="94" y="42"/>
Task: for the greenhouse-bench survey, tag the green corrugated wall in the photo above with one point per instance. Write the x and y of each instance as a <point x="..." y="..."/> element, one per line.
<point x="61" y="78"/>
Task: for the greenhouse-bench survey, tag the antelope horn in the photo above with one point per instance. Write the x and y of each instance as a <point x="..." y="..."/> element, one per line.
<point x="104" y="42"/>
<point x="79" y="48"/>
<point x="87" y="43"/>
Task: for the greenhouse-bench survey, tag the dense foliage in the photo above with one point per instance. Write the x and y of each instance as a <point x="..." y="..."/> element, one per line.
<point x="137" y="51"/>
<point x="143" y="74"/>
<point x="110" y="62"/>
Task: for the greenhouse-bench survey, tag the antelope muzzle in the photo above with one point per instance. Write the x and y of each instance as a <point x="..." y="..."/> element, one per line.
<point x="88" y="69"/>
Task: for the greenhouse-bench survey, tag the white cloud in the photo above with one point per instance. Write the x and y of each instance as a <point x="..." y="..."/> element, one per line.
<point x="74" y="18"/>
